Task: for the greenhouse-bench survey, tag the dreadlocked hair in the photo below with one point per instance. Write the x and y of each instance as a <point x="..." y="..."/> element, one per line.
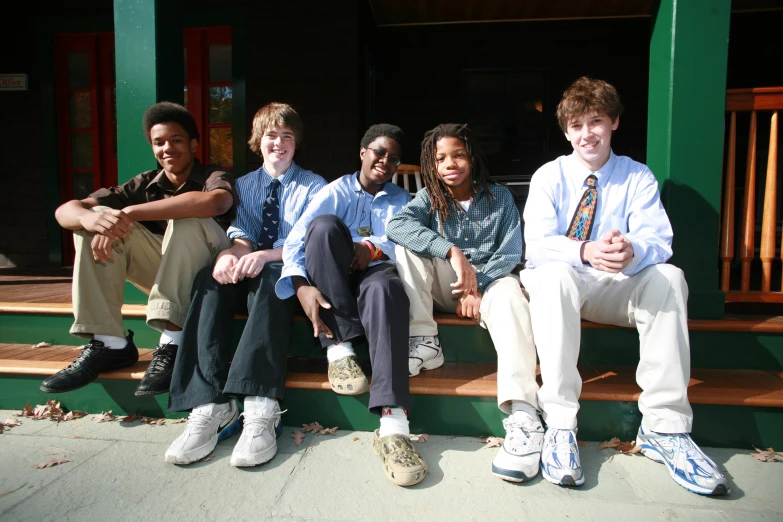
<point x="438" y="191"/>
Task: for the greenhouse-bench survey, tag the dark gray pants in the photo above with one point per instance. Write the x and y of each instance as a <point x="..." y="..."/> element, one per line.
<point x="370" y="304"/>
<point x="204" y="370"/>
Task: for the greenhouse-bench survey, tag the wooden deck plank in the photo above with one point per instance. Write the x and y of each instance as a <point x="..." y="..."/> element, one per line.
<point x="601" y="383"/>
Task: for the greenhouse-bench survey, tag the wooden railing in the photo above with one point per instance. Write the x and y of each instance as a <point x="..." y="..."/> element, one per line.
<point x="761" y="104"/>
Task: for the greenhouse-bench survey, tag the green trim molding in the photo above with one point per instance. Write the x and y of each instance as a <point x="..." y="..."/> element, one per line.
<point x="688" y="65"/>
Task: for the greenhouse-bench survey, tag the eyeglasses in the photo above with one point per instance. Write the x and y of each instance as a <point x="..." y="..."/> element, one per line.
<point x="393" y="160"/>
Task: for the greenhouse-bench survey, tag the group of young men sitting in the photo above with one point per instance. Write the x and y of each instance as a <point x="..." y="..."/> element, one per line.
<point x="367" y="262"/>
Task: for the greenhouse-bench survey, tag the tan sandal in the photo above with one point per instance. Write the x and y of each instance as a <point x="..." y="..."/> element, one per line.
<point x="346" y="377"/>
<point x="402" y="463"/>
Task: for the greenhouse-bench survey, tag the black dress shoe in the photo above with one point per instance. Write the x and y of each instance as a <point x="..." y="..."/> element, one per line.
<point x="157" y="378"/>
<point x="94" y="359"/>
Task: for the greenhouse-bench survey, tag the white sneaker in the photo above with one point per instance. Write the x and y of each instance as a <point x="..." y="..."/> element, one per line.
<point x="519" y="457"/>
<point x="687" y="464"/>
<point x="258" y="443"/>
<point x="560" y="462"/>
<point x="201" y="433"/>
<point x="424" y="353"/>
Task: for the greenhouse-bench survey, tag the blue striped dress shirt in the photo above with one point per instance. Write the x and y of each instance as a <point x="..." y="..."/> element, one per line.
<point x="297" y="188"/>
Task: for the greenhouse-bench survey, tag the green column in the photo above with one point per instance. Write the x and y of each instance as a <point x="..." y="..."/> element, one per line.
<point x="688" y="55"/>
<point x="135" y="59"/>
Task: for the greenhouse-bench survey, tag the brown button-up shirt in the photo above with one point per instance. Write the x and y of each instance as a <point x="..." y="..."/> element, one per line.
<point x="153" y="185"/>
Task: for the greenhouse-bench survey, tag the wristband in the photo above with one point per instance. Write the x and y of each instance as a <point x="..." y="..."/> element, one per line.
<point x="369" y="245"/>
<point x="375" y="252"/>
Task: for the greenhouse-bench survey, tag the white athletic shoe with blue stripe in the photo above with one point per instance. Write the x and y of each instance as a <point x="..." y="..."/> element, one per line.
<point x="560" y="458"/>
<point x="687" y="464"/>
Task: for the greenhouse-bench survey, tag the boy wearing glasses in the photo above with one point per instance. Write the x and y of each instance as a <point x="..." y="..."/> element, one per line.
<point x="341" y="266"/>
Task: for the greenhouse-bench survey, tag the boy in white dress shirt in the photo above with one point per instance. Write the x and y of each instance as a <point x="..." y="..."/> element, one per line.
<point x="598" y="239"/>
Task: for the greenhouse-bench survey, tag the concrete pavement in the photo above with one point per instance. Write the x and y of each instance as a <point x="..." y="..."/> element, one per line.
<point x="117" y="473"/>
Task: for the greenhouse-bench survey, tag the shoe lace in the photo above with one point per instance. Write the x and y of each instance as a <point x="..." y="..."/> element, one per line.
<point x="518" y="436"/>
<point x="198" y="422"/>
<point x="257" y="423"/>
<point x="693" y="453"/>
<point x="87" y="351"/>
<point x="161" y="358"/>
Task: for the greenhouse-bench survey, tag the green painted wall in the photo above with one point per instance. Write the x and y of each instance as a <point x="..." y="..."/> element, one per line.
<point x="136" y="65"/>
<point x="687" y="91"/>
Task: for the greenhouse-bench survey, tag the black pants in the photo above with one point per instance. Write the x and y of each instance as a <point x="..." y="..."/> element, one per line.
<point x="371" y="304"/>
<point x="202" y="373"/>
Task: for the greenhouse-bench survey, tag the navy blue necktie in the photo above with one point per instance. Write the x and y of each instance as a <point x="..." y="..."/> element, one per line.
<point x="271" y="218"/>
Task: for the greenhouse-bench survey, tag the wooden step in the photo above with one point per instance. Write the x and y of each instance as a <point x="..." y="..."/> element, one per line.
<point x="733" y="323"/>
<point x="600" y="383"/>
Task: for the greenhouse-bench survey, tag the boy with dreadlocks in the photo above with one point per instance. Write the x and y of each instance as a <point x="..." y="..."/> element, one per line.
<point x="458" y="241"/>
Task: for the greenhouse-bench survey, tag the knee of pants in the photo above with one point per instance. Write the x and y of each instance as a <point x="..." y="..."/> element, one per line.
<point x="555" y="276"/>
<point x="204" y="280"/>
<point x="403" y="254"/>
<point x="506" y="293"/>
<point x="378" y="288"/>
<point x="185" y="226"/>
<point x="671" y="276"/>
<point x="324" y="224"/>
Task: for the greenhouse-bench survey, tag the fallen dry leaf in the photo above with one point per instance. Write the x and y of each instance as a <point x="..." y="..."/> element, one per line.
<point x="74" y="437"/>
<point x="179" y="421"/>
<point x="42" y="345"/>
<point x="10" y="423"/>
<point x="622" y="447"/>
<point x="153" y="421"/>
<point x="420" y="438"/>
<point x="50" y="410"/>
<point x="72" y="415"/>
<point x="768" y="455"/>
<point x="106" y="416"/>
<point x="51" y="463"/>
<point x="328" y="431"/>
<point x="298" y="437"/>
<point x="26" y="411"/>
<point x="581" y="443"/>
<point x="492" y="442"/>
<point x="356" y="438"/>
<point x="130" y="418"/>
<point x="2" y="428"/>
<point x="313" y="428"/>
<point x="208" y="457"/>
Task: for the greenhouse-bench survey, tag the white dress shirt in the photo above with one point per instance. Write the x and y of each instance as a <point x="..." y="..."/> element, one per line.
<point x="628" y="199"/>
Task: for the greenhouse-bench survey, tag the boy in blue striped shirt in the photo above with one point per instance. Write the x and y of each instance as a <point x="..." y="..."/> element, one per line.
<point x="459" y="240"/>
<point x="271" y="200"/>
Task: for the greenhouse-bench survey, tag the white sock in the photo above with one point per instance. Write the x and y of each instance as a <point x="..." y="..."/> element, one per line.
<point x="525" y="407"/>
<point x="338" y="351"/>
<point x="170" y="336"/>
<point x="258" y="404"/>
<point x="112" y="341"/>
<point x="394" y="420"/>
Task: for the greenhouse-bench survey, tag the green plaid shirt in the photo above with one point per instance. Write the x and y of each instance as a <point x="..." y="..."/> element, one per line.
<point x="489" y="233"/>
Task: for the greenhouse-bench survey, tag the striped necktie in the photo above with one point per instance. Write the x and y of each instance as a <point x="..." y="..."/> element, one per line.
<point x="582" y="222"/>
<point x="271" y="217"/>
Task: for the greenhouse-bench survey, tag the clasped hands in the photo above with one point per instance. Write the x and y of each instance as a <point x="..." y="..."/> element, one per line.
<point x="612" y="253"/>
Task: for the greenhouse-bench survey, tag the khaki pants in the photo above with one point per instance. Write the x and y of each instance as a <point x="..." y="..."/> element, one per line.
<point x="654" y="301"/>
<point x="162" y="267"/>
<point x="504" y="313"/>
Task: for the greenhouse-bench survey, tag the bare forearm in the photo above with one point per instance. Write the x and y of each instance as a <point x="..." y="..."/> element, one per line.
<point x="187" y="205"/>
<point x="69" y="214"/>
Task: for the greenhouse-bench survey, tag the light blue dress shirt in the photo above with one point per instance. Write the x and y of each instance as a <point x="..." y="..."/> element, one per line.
<point x="297" y="189"/>
<point x="628" y="199"/>
<point x="346" y="199"/>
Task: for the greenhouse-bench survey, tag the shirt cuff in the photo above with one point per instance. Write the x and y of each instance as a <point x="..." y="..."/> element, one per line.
<point x="638" y="255"/>
<point x="483" y="281"/>
<point x="284" y="288"/>
<point x="440" y="247"/>
<point x="238" y="234"/>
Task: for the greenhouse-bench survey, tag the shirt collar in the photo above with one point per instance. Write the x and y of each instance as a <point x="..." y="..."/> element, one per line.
<point x="357" y="187"/>
<point x="197" y="175"/>
<point x="285" y="179"/>
<point x="579" y="172"/>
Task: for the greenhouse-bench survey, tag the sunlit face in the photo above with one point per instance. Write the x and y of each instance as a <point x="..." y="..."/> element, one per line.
<point x="591" y="137"/>
<point x="172" y="147"/>
<point x="377" y="168"/>
<point x="278" y="145"/>
<point x="453" y="163"/>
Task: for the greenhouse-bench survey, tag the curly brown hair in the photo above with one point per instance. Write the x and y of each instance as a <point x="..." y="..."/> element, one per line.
<point x="275" y="114"/>
<point x="588" y="95"/>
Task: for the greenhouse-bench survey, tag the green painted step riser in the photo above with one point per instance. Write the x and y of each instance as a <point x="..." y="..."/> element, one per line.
<point x="720" y="350"/>
<point x="721" y="426"/>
